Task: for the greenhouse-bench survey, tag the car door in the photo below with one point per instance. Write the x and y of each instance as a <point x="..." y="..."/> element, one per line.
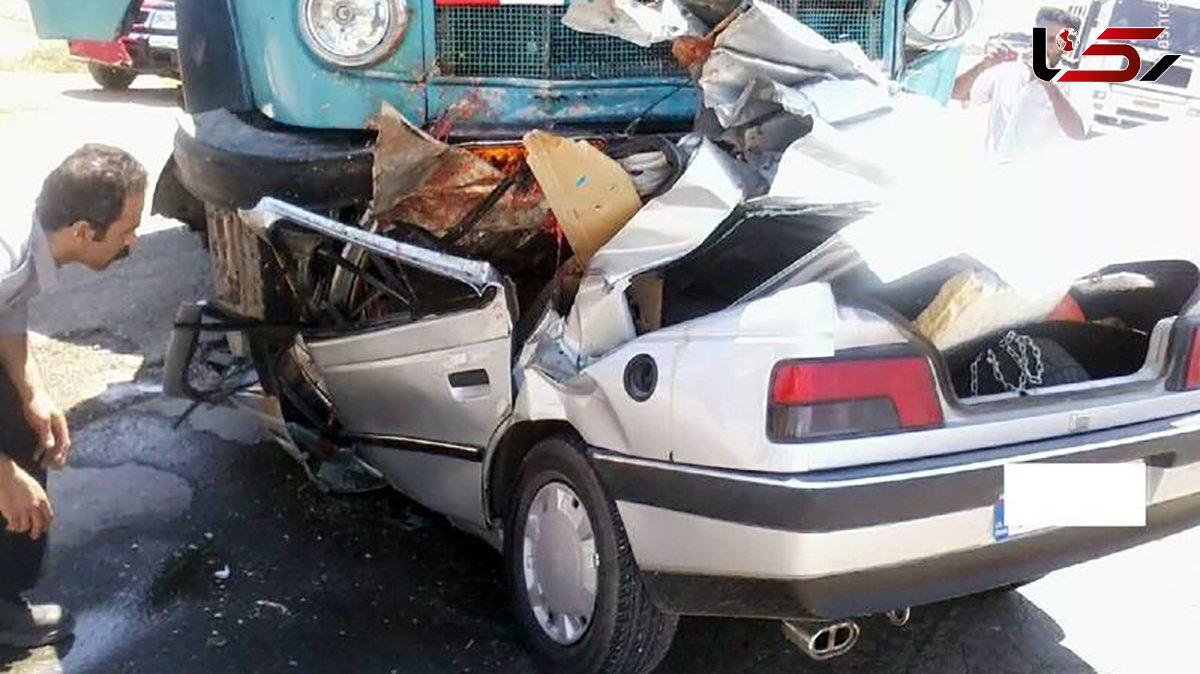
<point x="421" y="392"/>
<point x="441" y="381"/>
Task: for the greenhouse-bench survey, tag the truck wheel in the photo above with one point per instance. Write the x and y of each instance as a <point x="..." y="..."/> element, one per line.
<point x="111" y="78"/>
<point x="576" y="590"/>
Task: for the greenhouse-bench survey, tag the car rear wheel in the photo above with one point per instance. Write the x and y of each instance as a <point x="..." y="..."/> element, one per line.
<point x="111" y="78"/>
<point x="576" y="590"/>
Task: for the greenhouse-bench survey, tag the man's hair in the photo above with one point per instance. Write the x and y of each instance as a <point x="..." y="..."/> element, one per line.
<point x="91" y="185"/>
<point x="1062" y="17"/>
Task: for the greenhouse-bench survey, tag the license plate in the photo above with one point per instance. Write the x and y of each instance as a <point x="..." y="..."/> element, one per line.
<point x="164" y="42"/>
<point x="1147" y="104"/>
<point x="1040" y="496"/>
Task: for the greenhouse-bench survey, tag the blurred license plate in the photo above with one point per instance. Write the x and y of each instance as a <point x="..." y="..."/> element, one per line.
<point x="1146" y="104"/>
<point x="164" y="42"/>
<point x="1044" y="495"/>
<point x="163" y="20"/>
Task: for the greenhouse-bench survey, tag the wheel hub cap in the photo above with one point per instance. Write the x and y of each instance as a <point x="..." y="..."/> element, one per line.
<point x="561" y="565"/>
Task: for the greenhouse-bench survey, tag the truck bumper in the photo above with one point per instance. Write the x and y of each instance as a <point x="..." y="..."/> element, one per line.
<point x="850" y="542"/>
<point x="233" y="160"/>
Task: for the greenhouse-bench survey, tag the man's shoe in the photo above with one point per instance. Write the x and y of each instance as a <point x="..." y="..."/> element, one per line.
<point x="25" y="625"/>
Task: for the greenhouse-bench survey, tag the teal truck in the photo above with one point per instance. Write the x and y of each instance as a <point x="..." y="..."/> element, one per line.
<point x="280" y="93"/>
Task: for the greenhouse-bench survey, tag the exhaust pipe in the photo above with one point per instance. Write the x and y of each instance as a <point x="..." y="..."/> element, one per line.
<point x="822" y="641"/>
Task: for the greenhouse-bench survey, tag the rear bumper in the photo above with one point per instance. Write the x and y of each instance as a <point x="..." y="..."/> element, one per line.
<point x="915" y="583"/>
<point x="870" y="539"/>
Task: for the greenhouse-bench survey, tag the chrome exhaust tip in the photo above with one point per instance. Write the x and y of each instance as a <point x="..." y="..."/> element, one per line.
<point x="899" y="617"/>
<point x="822" y="640"/>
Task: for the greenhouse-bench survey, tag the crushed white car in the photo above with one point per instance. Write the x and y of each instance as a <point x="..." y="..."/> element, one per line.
<point x="747" y="403"/>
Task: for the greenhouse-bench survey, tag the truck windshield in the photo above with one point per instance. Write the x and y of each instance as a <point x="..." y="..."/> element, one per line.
<point x="1182" y="23"/>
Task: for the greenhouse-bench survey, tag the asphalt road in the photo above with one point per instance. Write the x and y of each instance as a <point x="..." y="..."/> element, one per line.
<point x="201" y="549"/>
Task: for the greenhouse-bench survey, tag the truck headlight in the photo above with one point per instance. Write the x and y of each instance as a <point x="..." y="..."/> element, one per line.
<point x="353" y="33"/>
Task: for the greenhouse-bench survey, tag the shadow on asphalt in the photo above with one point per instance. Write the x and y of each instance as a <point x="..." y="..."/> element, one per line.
<point x="161" y="97"/>
<point x="998" y="632"/>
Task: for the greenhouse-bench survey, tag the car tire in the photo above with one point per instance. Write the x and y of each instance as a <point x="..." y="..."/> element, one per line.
<point x="626" y="633"/>
<point x="111" y="78"/>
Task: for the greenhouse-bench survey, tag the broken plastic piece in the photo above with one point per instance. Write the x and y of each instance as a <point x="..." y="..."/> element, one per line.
<point x="591" y="195"/>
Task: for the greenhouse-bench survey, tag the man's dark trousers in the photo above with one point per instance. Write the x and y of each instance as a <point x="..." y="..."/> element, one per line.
<point x="20" y="557"/>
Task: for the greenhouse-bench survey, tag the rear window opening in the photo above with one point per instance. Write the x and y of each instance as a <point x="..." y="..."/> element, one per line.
<point x="1100" y="330"/>
<point x="756" y="242"/>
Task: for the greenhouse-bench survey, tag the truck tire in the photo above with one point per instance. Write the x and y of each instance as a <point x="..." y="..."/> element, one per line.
<point x="111" y="78"/>
<point x="605" y="620"/>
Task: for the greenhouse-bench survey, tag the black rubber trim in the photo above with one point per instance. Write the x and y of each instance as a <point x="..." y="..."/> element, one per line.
<point x="766" y="500"/>
<point x="232" y="161"/>
<point x="915" y="583"/>
<point x="416" y="445"/>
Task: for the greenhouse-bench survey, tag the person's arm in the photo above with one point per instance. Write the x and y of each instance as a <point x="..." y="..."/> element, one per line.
<point x="23" y="503"/>
<point x="54" y="438"/>
<point x="1068" y="118"/>
<point x="995" y="55"/>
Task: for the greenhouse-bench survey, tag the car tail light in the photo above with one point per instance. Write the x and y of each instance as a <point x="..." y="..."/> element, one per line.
<point x="823" y="398"/>
<point x="1191" y="378"/>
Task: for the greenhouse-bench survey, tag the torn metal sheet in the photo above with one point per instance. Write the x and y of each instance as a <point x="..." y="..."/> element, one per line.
<point x="769" y="32"/>
<point x="405" y="156"/>
<point x="936" y="23"/>
<point x="1042" y="223"/>
<point x="269" y="212"/>
<point x="423" y="181"/>
<point x="666" y="229"/>
<point x="766" y="60"/>
<point x="600" y="319"/>
<point x="642" y="23"/>
<point x="711" y="11"/>
<point x="861" y="160"/>
<point x="671" y="225"/>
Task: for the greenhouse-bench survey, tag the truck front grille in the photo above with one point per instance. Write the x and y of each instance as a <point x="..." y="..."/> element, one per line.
<point x="529" y="41"/>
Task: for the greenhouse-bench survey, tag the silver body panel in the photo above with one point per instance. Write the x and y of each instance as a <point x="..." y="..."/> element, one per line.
<point x="398" y="380"/>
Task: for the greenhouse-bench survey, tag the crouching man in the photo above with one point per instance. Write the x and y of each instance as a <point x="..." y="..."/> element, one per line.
<point x="87" y="213"/>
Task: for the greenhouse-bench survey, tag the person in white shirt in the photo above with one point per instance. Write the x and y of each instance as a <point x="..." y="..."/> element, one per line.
<point x="1027" y="116"/>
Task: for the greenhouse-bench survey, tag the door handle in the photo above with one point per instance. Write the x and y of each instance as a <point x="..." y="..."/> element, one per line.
<point x="467" y="385"/>
<point x="468" y="378"/>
